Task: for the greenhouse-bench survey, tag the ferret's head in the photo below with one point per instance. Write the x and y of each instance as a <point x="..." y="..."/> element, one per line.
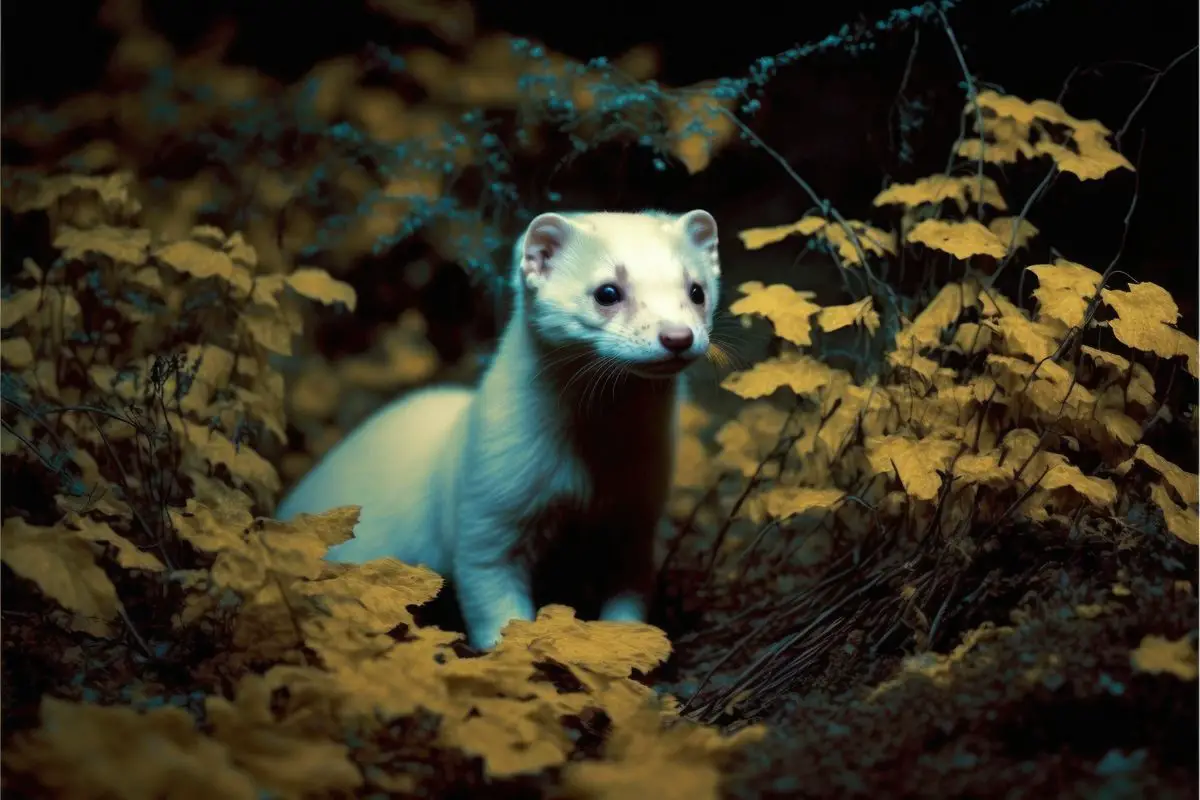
<point x="639" y="289"/>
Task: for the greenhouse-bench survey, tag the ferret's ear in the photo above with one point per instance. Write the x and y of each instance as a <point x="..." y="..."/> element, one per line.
<point x="545" y="238"/>
<point x="700" y="228"/>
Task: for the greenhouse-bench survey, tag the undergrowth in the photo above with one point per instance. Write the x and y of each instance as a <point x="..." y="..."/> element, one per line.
<point x="943" y="521"/>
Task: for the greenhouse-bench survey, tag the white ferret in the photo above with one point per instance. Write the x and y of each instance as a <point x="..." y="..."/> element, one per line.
<point x="556" y="469"/>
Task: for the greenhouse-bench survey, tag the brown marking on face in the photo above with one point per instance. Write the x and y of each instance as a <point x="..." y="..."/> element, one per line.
<point x="630" y="303"/>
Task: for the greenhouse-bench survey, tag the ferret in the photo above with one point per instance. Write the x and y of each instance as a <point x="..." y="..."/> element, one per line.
<point x="555" y="470"/>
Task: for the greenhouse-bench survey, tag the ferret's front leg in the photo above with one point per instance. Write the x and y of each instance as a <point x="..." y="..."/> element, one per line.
<point x="633" y="577"/>
<point x="492" y="587"/>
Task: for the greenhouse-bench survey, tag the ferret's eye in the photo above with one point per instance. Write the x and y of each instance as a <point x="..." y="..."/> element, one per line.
<point x="607" y="294"/>
<point x="696" y="294"/>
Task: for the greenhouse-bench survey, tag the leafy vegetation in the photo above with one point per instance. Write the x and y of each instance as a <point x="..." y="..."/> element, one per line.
<point x="945" y="531"/>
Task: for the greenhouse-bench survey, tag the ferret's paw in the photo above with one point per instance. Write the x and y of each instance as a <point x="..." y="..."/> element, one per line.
<point x="624" y="608"/>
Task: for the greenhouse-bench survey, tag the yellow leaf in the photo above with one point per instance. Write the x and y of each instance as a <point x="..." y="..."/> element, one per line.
<point x="1064" y="289"/>
<point x="200" y="261"/>
<point x="268" y="327"/>
<point x="128" y="554"/>
<point x="1183" y="523"/>
<point x="20" y="305"/>
<point x="1106" y="359"/>
<point x="641" y="759"/>
<point x="607" y="648"/>
<point x="963" y="190"/>
<point x="803" y="374"/>
<point x="1157" y="654"/>
<point x="1003" y="151"/>
<point x="242" y="462"/>
<point x="1144" y="315"/>
<point x="1094" y="159"/>
<point x="84" y="750"/>
<point x="1004" y="227"/>
<point x="1119" y="425"/>
<point x="1185" y="483"/>
<point x="113" y="190"/>
<point x="317" y="284"/>
<point x="831" y="318"/>
<point x="62" y="565"/>
<point x="918" y="461"/>
<point x="782" y="502"/>
<point x="123" y="245"/>
<point x="789" y="311"/>
<point x="757" y="238"/>
<point x="17" y="353"/>
<point x="285" y="759"/>
<point x="871" y="240"/>
<point x="960" y="239"/>
<point x="1099" y="491"/>
<point x="925" y="331"/>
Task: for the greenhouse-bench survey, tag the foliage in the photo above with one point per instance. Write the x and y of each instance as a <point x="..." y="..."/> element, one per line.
<point x="981" y="498"/>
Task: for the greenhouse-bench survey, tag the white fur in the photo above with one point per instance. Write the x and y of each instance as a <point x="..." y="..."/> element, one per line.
<point x="571" y="432"/>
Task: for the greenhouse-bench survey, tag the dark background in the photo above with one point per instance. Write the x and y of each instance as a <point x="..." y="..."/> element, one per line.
<point x="830" y="116"/>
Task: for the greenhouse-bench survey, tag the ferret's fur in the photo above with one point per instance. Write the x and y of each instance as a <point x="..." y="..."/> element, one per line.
<point x="558" y="465"/>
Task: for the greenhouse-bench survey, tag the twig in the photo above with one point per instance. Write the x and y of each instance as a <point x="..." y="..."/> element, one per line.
<point x="973" y="97"/>
<point x="1153" y="83"/>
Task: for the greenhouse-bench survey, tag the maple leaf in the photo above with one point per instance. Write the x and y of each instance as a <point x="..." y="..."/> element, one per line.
<point x="1001" y="151"/>
<point x="282" y="757"/>
<point x="317" y="284"/>
<point x="1004" y="228"/>
<point x="1092" y="159"/>
<point x="963" y="190"/>
<point x="127" y="553"/>
<point x="643" y="760"/>
<point x="20" y="305"/>
<point x="789" y="311"/>
<point x="1185" y="484"/>
<point x="123" y="245"/>
<point x="1183" y="523"/>
<point x="871" y="240"/>
<point x="960" y="239"/>
<point x="782" y="502"/>
<point x="803" y="374"/>
<point x="757" y="238"/>
<point x="1158" y="654"/>
<point x="745" y="440"/>
<point x="607" y="648"/>
<point x="832" y="318"/>
<point x="201" y="261"/>
<point x="83" y="750"/>
<point x="115" y="192"/>
<point x="925" y="331"/>
<point x="1106" y="359"/>
<point x="1099" y="491"/>
<point x="1064" y="290"/>
<point x="917" y="461"/>
<point x="1145" y="314"/>
<point x="242" y="462"/>
<point x="17" y="353"/>
<point x="63" y="566"/>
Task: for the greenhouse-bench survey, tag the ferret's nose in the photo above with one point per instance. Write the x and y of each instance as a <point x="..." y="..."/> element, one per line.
<point x="676" y="338"/>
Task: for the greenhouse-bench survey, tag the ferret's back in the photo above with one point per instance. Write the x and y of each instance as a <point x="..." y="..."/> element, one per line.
<point x="387" y="465"/>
